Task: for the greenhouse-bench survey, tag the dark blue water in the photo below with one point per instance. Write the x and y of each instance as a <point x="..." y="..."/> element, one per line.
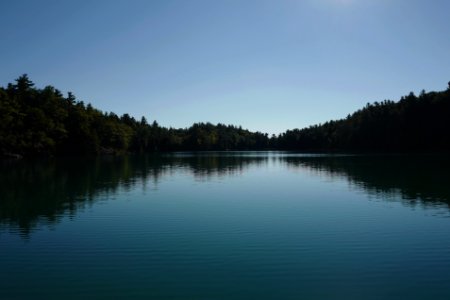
<point x="231" y="225"/>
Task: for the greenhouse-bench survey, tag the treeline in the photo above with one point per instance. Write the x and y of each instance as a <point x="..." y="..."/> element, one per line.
<point x="44" y="122"/>
<point x="36" y="122"/>
<point x="414" y="124"/>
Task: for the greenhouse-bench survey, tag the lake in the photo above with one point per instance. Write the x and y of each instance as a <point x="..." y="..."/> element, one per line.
<point x="226" y="225"/>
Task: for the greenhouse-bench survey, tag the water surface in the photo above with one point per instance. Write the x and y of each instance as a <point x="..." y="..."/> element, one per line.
<point x="226" y="225"/>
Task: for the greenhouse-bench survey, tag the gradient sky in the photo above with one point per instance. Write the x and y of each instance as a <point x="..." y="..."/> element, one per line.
<point x="265" y="65"/>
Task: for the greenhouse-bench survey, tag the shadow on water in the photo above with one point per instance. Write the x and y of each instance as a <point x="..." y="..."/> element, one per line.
<point x="412" y="179"/>
<point x="41" y="192"/>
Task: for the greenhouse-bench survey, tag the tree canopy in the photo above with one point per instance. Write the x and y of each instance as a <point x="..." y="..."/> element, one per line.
<point x="44" y="122"/>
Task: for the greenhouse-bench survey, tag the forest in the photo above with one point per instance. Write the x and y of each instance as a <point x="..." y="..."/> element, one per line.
<point x="44" y="122"/>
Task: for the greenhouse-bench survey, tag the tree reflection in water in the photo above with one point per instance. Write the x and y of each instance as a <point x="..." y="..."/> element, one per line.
<point x="36" y="192"/>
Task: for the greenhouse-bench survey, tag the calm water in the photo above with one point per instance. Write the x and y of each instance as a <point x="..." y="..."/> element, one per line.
<point x="239" y="225"/>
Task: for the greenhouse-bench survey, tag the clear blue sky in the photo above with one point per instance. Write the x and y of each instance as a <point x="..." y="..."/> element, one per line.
<point x="265" y="65"/>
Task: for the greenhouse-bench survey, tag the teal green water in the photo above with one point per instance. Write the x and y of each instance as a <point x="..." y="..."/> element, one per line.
<point x="230" y="225"/>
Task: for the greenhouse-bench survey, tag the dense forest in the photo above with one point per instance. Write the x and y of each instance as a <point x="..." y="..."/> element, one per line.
<point x="44" y="122"/>
<point x="413" y="124"/>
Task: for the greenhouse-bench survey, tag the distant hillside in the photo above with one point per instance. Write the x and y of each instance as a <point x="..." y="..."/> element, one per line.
<point x="414" y="124"/>
<point x="43" y="122"/>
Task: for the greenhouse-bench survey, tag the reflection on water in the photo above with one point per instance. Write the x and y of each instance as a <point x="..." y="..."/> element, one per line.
<point x="230" y="225"/>
<point x="410" y="179"/>
<point x="43" y="191"/>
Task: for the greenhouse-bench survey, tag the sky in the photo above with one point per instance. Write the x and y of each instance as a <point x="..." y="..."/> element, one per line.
<point x="265" y="65"/>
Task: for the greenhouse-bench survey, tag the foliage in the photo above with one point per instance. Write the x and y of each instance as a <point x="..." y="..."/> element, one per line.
<point x="44" y="122"/>
<point x="414" y="124"/>
<point x="37" y="122"/>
